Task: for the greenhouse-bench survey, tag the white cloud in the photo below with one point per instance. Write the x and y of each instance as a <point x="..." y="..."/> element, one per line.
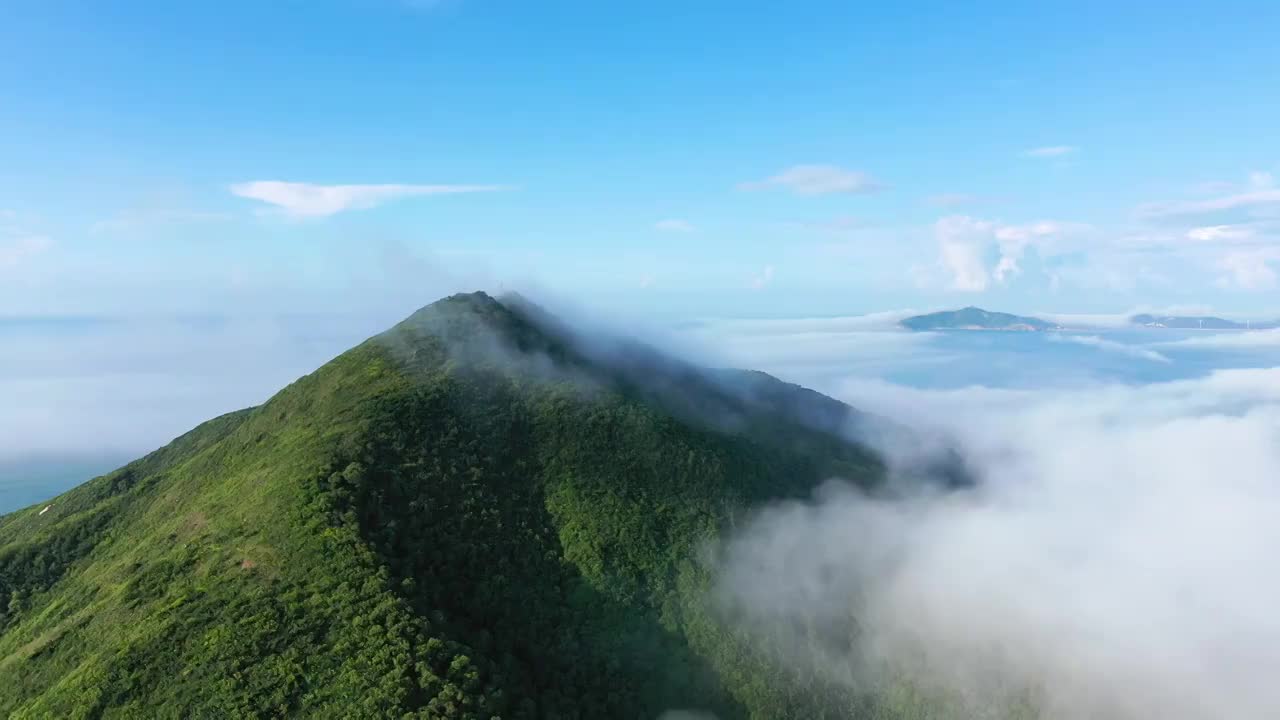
<point x="1243" y="244"/>
<point x="674" y="225"/>
<point x="1006" y="268"/>
<point x="961" y="241"/>
<point x="1256" y="196"/>
<point x="1026" y="233"/>
<point x="1232" y="339"/>
<point x="1050" y="151"/>
<point x="817" y="180"/>
<point x="1221" y="233"/>
<point x="966" y="243"/>
<point x="763" y="280"/>
<point x="1256" y="180"/>
<point x="309" y="200"/>
<point x="1245" y="200"/>
<point x="1249" y="269"/>
<point x="1105" y="566"/>
<point x="1013" y="241"/>
<point x="1112" y="346"/>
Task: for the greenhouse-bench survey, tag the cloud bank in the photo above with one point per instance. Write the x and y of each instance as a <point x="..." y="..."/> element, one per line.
<point x="1114" y="561"/>
<point x="1113" y="347"/>
<point x="1232" y="340"/>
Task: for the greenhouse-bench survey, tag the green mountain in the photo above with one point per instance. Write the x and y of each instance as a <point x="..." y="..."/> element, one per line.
<point x="974" y="318"/>
<point x="477" y="514"/>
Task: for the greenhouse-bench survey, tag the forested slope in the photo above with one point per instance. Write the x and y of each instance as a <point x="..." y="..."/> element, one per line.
<point x="477" y="514"/>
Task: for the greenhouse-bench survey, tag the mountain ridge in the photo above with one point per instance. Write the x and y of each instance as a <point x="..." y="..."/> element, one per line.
<point x="470" y="515"/>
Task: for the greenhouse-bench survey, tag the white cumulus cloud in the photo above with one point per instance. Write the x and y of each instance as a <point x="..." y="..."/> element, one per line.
<point x="961" y="241"/>
<point x="966" y="246"/>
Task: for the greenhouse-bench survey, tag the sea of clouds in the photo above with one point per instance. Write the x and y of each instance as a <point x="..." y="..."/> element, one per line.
<point x="1115" y="559"/>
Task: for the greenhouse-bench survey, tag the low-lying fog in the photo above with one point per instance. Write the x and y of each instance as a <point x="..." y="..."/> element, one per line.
<point x="1115" y="560"/>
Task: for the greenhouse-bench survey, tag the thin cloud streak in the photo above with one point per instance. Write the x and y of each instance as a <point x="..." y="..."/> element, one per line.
<point x="817" y="180"/>
<point x="674" y="225"/>
<point x="1239" y="201"/>
<point x="1050" y="151"/>
<point x="310" y="200"/>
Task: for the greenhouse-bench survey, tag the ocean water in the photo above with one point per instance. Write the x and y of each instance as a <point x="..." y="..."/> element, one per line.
<point x="996" y="359"/>
<point x="1031" y="360"/>
<point x="32" y="480"/>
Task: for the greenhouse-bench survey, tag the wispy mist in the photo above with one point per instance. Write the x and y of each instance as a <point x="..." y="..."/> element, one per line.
<point x="1113" y="346"/>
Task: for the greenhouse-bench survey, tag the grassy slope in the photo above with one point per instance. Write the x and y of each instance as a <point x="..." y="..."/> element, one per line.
<point x="424" y="525"/>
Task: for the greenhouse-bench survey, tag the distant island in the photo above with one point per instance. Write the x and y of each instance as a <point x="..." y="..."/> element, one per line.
<point x="974" y="318"/>
<point x="1200" y="322"/>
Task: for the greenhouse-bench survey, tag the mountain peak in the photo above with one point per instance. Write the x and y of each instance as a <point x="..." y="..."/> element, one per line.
<point x="457" y="305"/>
<point x="474" y="329"/>
<point x="477" y="513"/>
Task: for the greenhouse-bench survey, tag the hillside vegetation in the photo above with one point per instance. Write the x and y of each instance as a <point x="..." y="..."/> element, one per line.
<point x="975" y="318"/>
<point x="473" y="515"/>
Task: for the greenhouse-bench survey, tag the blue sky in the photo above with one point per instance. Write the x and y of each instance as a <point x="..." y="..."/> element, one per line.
<point x="812" y="158"/>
